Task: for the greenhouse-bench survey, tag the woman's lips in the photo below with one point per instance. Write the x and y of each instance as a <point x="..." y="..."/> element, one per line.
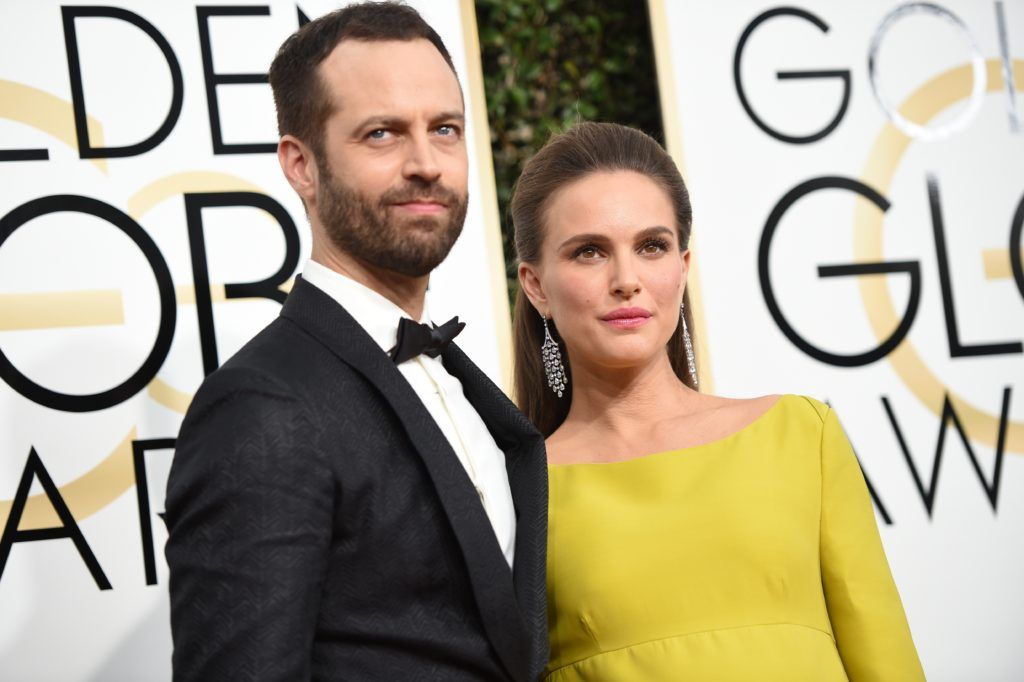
<point x="628" y="322"/>
<point x="627" y="318"/>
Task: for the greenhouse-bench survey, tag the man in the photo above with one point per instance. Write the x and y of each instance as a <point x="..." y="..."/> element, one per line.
<point x="341" y="507"/>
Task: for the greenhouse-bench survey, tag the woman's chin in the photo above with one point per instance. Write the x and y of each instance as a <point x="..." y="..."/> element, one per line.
<point x="623" y="358"/>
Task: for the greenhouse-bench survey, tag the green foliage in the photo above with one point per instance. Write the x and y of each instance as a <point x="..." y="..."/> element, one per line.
<point x="550" y="63"/>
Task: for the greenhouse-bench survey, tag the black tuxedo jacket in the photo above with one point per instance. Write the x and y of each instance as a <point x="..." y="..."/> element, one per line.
<point x="321" y="527"/>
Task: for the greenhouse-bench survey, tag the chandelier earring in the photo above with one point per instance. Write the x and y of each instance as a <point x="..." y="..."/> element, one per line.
<point x="551" y="355"/>
<point x="691" y="365"/>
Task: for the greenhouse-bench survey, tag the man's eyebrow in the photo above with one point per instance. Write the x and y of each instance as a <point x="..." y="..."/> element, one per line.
<point x="379" y="121"/>
<point x="449" y="116"/>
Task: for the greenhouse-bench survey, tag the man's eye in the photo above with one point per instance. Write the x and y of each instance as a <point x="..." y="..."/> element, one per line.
<point x="448" y="130"/>
<point x="379" y="134"/>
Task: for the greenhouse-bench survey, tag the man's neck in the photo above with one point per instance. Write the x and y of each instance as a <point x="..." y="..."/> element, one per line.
<point x="408" y="293"/>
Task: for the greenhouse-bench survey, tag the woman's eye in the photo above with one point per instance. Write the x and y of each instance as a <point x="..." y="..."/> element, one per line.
<point x="654" y="246"/>
<point x="586" y="253"/>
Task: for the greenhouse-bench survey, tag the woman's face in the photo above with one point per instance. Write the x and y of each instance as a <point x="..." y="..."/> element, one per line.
<point x="610" y="274"/>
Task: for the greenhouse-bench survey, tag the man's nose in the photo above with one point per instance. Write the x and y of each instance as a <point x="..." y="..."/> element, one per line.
<point x="421" y="159"/>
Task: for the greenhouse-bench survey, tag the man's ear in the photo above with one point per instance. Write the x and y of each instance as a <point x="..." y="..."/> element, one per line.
<point x="529" y="280"/>
<point x="299" y="167"/>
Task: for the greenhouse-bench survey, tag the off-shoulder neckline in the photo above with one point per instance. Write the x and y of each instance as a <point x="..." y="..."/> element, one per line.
<point x="699" y="446"/>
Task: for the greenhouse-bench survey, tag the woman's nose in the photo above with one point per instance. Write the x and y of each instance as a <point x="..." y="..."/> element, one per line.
<point x="625" y="282"/>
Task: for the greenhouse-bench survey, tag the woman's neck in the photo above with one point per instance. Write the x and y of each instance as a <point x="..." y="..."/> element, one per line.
<point x="623" y="404"/>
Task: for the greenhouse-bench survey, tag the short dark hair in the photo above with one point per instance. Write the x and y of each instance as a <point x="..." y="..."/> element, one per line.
<point x="302" y="101"/>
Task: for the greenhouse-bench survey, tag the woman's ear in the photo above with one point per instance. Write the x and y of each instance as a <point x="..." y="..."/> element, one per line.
<point x="529" y="280"/>
<point x="299" y="167"/>
<point x="684" y="259"/>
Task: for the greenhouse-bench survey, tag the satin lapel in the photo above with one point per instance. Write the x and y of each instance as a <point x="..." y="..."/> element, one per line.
<point x="329" y="323"/>
<point x="526" y="463"/>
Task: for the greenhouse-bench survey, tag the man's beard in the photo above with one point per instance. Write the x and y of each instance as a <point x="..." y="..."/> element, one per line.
<point x="362" y="228"/>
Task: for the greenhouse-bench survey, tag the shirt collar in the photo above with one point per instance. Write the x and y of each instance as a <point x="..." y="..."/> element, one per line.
<point x="374" y="313"/>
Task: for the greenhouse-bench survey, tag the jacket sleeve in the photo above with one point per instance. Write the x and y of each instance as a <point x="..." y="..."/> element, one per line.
<point x="864" y="607"/>
<point x="249" y="514"/>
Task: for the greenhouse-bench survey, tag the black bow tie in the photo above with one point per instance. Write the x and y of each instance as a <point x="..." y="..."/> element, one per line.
<point x="415" y="338"/>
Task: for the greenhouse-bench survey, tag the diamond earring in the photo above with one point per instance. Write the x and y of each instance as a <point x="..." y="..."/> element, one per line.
<point x="688" y="345"/>
<point x="552" y="357"/>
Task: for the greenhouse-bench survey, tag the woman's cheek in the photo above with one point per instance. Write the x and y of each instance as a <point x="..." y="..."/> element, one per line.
<point x="576" y="294"/>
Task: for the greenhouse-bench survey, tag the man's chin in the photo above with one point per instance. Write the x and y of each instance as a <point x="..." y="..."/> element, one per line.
<point x="422" y="250"/>
<point x="420" y="267"/>
<point x="426" y="224"/>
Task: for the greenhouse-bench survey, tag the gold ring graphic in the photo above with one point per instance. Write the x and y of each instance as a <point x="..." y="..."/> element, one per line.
<point x="48" y="113"/>
<point x="114" y="474"/>
<point x="145" y="199"/>
<point x="86" y="495"/>
<point x="922" y="105"/>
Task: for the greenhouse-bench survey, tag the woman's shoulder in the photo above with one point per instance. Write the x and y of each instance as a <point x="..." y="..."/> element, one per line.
<point x="714" y="420"/>
<point x="804" y="409"/>
<point x="753" y="405"/>
<point x="810" y="406"/>
<point x="795" y="423"/>
<point x="733" y="414"/>
<point x="813" y="418"/>
<point x="791" y="408"/>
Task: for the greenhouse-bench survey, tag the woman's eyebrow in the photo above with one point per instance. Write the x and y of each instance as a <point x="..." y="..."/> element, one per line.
<point x="653" y="231"/>
<point x="589" y="237"/>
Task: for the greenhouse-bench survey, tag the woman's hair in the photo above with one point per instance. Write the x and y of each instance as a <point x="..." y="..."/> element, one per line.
<point x="584" y="149"/>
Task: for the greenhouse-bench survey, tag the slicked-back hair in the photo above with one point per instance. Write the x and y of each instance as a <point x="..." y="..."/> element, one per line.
<point x="568" y="157"/>
<point x="300" y="95"/>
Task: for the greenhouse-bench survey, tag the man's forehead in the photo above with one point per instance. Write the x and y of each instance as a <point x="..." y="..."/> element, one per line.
<point x="410" y="75"/>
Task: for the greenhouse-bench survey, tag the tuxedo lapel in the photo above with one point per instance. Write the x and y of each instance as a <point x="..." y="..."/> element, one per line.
<point x="526" y="464"/>
<point x="320" y="316"/>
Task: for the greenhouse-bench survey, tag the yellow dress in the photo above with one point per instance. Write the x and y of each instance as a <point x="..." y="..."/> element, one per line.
<point x="754" y="557"/>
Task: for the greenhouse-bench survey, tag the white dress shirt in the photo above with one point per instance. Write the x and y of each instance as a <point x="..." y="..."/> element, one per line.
<point x="441" y="394"/>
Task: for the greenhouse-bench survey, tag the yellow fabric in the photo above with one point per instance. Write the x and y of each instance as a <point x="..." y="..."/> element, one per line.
<point x="754" y="557"/>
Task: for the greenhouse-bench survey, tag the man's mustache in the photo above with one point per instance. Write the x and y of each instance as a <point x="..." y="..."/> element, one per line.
<point x="421" y="192"/>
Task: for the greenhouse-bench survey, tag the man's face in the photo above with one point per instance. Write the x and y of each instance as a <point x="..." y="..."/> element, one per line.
<point x="393" y="170"/>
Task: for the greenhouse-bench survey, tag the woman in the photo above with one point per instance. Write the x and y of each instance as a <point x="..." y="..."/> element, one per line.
<point x="690" y="536"/>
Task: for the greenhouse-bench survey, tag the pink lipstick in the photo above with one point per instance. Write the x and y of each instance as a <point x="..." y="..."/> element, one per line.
<point x="627" y="318"/>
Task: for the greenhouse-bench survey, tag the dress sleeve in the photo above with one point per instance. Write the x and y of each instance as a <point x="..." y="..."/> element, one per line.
<point x="864" y="607"/>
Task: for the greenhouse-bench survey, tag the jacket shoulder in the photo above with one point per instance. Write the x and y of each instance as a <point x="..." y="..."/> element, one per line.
<point x="281" y="358"/>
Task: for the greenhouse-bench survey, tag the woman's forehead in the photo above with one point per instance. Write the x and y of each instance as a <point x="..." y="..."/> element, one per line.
<point x="618" y="203"/>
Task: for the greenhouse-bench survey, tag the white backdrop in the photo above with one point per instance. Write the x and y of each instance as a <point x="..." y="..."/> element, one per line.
<point x="81" y="307"/>
<point x="954" y="542"/>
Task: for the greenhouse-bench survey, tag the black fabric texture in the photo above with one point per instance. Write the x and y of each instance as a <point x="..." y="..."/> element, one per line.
<point x="322" y="528"/>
